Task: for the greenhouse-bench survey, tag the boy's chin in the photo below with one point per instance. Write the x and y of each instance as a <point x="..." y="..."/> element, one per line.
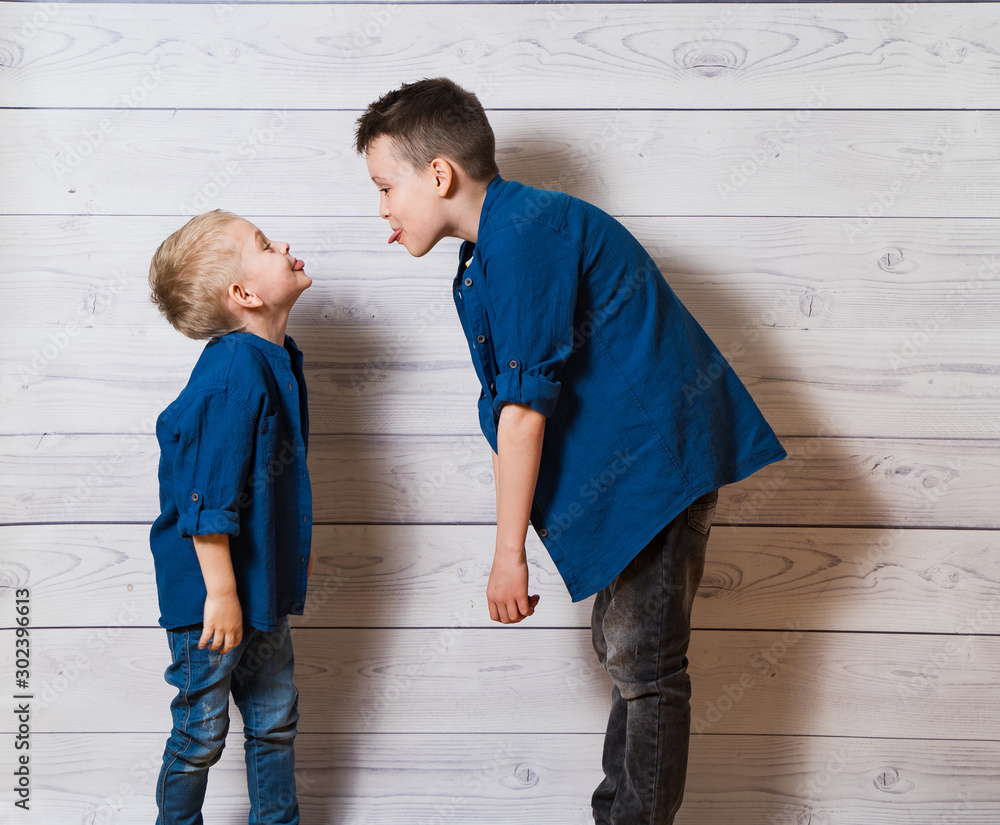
<point x="415" y="251"/>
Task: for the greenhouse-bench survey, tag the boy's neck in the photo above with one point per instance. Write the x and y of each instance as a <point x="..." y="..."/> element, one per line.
<point x="270" y="329"/>
<point x="469" y="211"/>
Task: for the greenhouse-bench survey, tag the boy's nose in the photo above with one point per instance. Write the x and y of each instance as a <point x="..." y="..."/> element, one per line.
<point x="288" y="248"/>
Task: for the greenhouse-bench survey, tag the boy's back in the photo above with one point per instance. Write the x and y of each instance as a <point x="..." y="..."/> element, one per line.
<point x="566" y="312"/>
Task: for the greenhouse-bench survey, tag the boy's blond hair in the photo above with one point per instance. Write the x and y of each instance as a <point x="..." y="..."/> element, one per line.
<point x="191" y="272"/>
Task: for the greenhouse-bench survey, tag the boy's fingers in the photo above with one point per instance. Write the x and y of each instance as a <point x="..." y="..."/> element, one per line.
<point x="494" y="612"/>
<point x="206" y="635"/>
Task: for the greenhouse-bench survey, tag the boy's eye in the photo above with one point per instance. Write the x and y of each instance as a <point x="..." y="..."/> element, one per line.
<point x="385" y="191"/>
<point x="267" y="246"/>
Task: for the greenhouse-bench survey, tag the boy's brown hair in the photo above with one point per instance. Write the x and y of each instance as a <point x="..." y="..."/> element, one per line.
<point x="191" y="272"/>
<point x="434" y="117"/>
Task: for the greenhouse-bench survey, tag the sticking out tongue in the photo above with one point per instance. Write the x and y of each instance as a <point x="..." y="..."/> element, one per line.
<point x="298" y="265"/>
<point x="395" y="236"/>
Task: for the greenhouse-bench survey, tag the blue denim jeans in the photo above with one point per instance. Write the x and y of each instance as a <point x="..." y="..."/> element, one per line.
<point x="641" y="626"/>
<point x="258" y="673"/>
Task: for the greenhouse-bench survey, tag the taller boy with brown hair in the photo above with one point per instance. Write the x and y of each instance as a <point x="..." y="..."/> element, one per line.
<point x="606" y="433"/>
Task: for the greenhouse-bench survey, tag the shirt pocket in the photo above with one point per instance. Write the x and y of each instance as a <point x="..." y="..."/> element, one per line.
<point x="269" y="419"/>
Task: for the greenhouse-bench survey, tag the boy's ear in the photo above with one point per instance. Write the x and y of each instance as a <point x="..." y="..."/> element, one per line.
<point x="444" y="176"/>
<point x="243" y="298"/>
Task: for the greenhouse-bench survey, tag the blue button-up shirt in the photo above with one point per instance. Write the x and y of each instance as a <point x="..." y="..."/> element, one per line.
<point x="565" y="312"/>
<point x="233" y="460"/>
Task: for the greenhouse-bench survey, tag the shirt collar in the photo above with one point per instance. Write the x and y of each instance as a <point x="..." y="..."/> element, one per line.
<point x="492" y="191"/>
<point x="288" y="352"/>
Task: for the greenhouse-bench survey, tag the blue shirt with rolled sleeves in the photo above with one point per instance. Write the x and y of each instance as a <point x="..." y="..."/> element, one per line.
<point x="565" y="312"/>
<point x="233" y="460"/>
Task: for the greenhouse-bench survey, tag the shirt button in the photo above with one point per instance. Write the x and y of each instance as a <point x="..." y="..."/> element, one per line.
<point x="512" y="365"/>
<point x="543" y="532"/>
<point x="194" y="496"/>
<point x="468" y="281"/>
<point x="481" y="339"/>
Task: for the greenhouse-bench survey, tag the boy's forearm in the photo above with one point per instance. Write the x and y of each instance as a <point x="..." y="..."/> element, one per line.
<point x="519" y="438"/>
<point x="216" y="564"/>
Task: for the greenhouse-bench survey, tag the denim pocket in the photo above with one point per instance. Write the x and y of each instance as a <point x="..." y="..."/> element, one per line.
<point x="701" y="511"/>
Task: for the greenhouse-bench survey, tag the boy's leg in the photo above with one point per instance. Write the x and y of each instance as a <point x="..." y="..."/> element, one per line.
<point x="200" y="723"/>
<point x="642" y="626"/>
<point x="614" y="737"/>
<point x="267" y="699"/>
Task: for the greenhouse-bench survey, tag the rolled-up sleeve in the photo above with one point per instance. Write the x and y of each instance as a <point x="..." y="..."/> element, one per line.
<point x="534" y="299"/>
<point x="211" y="465"/>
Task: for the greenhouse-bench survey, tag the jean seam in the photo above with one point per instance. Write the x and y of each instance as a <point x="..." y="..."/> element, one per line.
<point x="187" y="719"/>
<point x="254" y="725"/>
<point x="666" y="572"/>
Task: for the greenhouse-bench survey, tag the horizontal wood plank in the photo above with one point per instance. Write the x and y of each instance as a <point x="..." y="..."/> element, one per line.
<point x="366" y="378"/>
<point x="825" y="481"/>
<point x="419" y="779"/>
<point x="929" y="581"/>
<point x="779" y="273"/>
<point x="511" y="679"/>
<point x="546" y="56"/>
<point x="852" y="165"/>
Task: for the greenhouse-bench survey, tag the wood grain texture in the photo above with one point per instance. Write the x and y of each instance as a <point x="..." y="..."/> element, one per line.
<point x="509" y="680"/>
<point x="348" y="779"/>
<point x="366" y="377"/>
<point x="779" y="273"/>
<point x="816" y="181"/>
<point x="853" y="165"/>
<point x="431" y="479"/>
<point x="546" y="56"/>
<point x="862" y="580"/>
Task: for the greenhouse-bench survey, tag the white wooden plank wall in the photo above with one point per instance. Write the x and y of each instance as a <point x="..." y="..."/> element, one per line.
<point x="818" y="182"/>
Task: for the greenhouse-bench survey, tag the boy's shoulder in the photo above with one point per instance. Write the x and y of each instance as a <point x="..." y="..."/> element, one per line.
<point x="519" y="213"/>
<point x="227" y="366"/>
<point x="518" y="205"/>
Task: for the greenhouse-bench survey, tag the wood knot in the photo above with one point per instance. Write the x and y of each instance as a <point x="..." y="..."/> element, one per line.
<point x="888" y="780"/>
<point x="523" y="777"/>
<point x="710" y="58"/>
<point x="951" y="51"/>
<point x="893" y="260"/>
<point x="812" y="818"/>
<point x="814" y="304"/>
<point x="10" y="55"/>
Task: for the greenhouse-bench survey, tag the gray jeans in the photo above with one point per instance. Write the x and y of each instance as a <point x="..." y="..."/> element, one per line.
<point x="641" y="628"/>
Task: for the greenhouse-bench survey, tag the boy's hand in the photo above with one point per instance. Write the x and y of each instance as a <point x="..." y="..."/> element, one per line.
<point x="223" y="616"/>
<point x="223" y="624"/>
<point x="507" y="589"/>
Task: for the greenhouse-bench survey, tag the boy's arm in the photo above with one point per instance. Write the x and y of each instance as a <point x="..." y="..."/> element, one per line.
<point x="223" y="622"/>
<point x="519" y="438"/>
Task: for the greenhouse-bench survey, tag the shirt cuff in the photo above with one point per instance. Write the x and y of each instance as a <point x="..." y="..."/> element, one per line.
<point x="194" y="521"/>
<point x="535" y="391"/>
